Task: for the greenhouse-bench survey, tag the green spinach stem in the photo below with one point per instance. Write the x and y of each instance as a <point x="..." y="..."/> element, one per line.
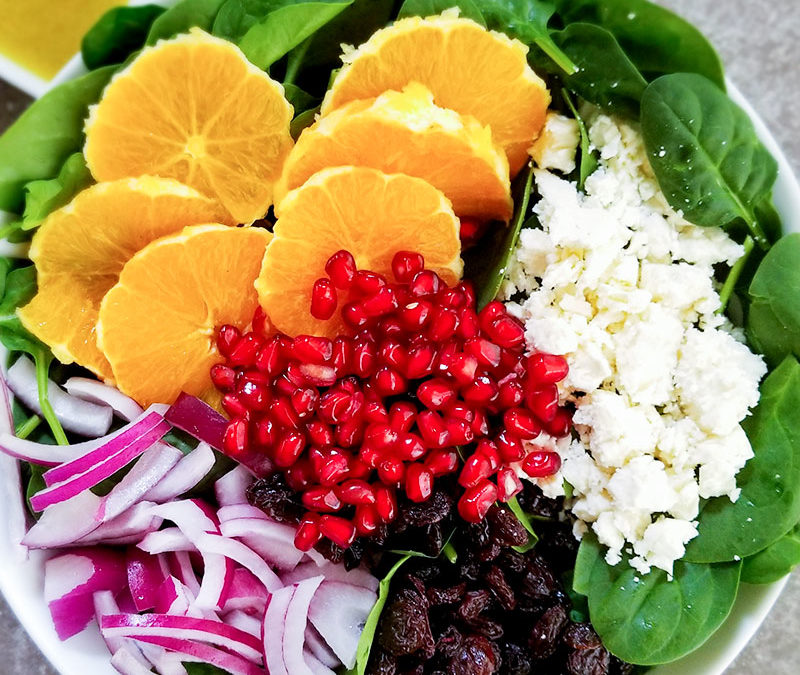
<point x="293" y="65"/>
<point x="734" y="274"/>
<point x="27" y="427"/>
<point x="559" y="57"/>
<point x="449" y="552"/>
<point x="42" y="368"/>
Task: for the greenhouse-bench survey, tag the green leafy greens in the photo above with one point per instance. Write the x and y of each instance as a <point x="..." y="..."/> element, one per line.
<point x="117" y="34"/>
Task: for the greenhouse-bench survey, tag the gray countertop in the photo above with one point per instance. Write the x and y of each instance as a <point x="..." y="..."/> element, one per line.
<point x="760" y="43"/>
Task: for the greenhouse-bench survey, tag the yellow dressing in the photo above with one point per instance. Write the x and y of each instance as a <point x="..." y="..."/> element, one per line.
<point x="42" y="35"/>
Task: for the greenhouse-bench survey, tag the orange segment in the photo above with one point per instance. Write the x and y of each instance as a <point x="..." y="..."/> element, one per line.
<point x="369" y="213"/>
<point x="80" y="250"/>
<point x="194" y="109"/>
<point x="406" y="133"/>
<point x="469" y="69"/>
<point x="158" y="324"/>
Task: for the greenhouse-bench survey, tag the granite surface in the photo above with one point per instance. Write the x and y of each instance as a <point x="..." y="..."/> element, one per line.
<point x="760" y="43"/>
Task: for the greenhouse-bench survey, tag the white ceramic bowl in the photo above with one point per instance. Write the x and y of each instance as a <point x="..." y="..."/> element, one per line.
<point x="21" y="580"/>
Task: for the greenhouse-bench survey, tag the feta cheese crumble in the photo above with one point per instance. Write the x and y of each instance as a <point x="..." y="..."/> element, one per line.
<point x="623" y="286"/>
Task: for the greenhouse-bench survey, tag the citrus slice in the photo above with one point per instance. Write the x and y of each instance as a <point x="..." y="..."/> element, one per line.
<point x="469" y="69"/>
<point x="367" y="212"/>
<point x="80" y="250"/>
<point x="404" y="132"/>
<point x="194" y="109"/>
<point x="158" y="324"/>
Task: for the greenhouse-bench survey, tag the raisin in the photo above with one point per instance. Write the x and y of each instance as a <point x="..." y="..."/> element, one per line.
<point x="506" y="528"/>
<point x="273" y="496"/>
<point x="449" y="642"/>
<point x="476" y="656"/>
<point x="538" y="581"/>
<point x="543" y="639"/>
<point x="446" y="596"/>
<point x="516" y="660"/>
<point x="473" y="605"/>
<point x="534" y="502"/>
<point x="588" y="662"/>
<point x="581" y="636"/>
<point x="437" y="507"/>
<point x="490" y="629"/>
<point x="404" y="627"/>
<point x="500" y="588"/>
<point x="381" y="663"/>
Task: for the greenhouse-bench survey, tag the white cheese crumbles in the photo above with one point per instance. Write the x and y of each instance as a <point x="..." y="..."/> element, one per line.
<point x="624" y="287"/>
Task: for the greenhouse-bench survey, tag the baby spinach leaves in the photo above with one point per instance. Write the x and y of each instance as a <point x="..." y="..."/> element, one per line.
<point x="38" y="143"/>
<point x="769" y="504"/>
<point x="773" y="322"/>
<point x="649" y="619"/>
<point x="183" y="16"/>
<point x="705" y="153"/>
<point x="587" y="161"/>
<point x="775" y="561"/>
<point x="468" y="9"/>
<point x="117" y="34"/>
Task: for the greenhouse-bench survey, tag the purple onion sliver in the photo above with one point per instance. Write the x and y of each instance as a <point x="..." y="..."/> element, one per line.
<point x="198" y="419"/>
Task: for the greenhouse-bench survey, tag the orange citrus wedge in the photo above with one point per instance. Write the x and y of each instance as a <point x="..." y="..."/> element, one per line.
<point x="158" y="324"/>
<point x="370" y="214"/>
<point x="194" y="109"/>
<point x="80" y="250"/>
<point x="405" y="132"/>
<point x="469" y="69"/>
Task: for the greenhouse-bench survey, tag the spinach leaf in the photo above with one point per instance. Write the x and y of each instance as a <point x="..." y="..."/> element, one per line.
<point x="183" y="16"/>
<point x="605" y="75"/>
<point x="303" y="120"/>
<point x="117" y="34"/>
<point x="769" y="504"/>
<point x="705" y="153"/>
<point x="587" y="162"/>
<point x="773" y="322"/>
<point x="423" y="8"/>
<point x="527" y="20"/>
<point x="35" y="484"/>
<point x="487" y="263"/>
<point x="655" y="39"/>
<point x="525" y="519"/>
<point x="775" y="561"/>
<point x="647" y="619"/>
<point x="203" y="669"/>
<point x="300" y="100"/>
<point x="39" y="142"/>
<point x="371" y="625"/>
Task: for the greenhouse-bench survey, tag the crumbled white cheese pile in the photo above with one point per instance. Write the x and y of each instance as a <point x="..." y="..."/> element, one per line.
<point x="623" y="287"/>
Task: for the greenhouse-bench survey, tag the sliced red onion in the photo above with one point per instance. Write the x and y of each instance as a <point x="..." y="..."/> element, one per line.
<point x="168" y="540"/>
<point x="272" y="541"/>
<point x="245" y="622"/>
<point x="71" y="580"/>
<point x="127" y="528"/>
<point x="320" y="649"/>
<point x="198" y="419"/>
<point x="188" y="473"/>
<point x="149" y="470"/>
<point x="195" y="651"/>
<point x="246" y="594"/>
<point x="146" y="575"/>
<point x="181" y="566"/>
<point x="86" y="455"/>
<point x="274" y="627"/>
<point x="65" y="522"/>
<point x="184" y="628"/>
<point x="172" y="597"/>
<point x="104" y="603"/>
<point x="339" y="611"/>
<point x="316" y="666"/>
<point x="232" y="487"/>
<point x="238" y="552"/>
<point x="235" y="511"/>
<point x="76" y="415"/>
<point x="103" y="394"/>
<point x="217" y="577"/>
<point x="192" y="516"/>
<point x="355" y="577"/>
<point x="295" y="626"/>
<point x="16" y="518"/>
<point x="165" y="663"/>
<point x="126" y="662"/>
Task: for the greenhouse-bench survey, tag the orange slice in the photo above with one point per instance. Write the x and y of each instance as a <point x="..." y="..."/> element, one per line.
<point x="194" y="109"/>
<point x="469" y="69"/>
<point x="406" y="133"/>
<point x="158" y="324"/>
<point x="80" y="250"/>
<point x="369" y="213"/>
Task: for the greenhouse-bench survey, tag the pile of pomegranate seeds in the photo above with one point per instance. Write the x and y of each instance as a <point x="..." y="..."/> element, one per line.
<point x="423" y="386"/>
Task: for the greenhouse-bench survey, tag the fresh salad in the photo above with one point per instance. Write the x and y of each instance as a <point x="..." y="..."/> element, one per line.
<point x="365" y="336"/>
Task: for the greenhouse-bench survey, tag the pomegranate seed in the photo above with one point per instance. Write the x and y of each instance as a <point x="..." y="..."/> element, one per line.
<point x="468" y="327"/>
<point x="510" y="447"/>
<point x="223" y="377"/>
<point x="480" y="425"/>
<point x="392" y="353"/>
<point x="370" y="456"/>
<point x="375" y="413"/>
<point x="415" y="315"/>
<point x="381" y="437"/>
<point x="388" y="382"/>
<point x="451" y="297"/>
<point x="462" y="412"/>
<point x="507" y="332"/>
<point x="421" y="360"/>
<point x="402" y="415"/>
<point x="521" y="423"/>
<point x="341" y="269"/>
<point x="288" y="449"/>
<point x="334" y="406"/>
<point x="463" y="368"/>
<point x="299" y="475"/>
<point x="468" y="290"/>
<point x="543" y="402"/>
<point x="419" y="483"/>
<point x="365" y="359"/>
<point x="508" y="484"/>
<point x="391" y="471"/>
<point x="318" y="375"/>
<point x="547" y="368"/>
<point x="410" y="447"/>
<point x="476" y="501"/>
<point x="254" y="395"/>
<point x="339" y="530"/>
<point x="244" y="352"/>
<point x="366" y="283"/>
<point x="432" y="429"/>
<point x="304" y="401"/>
<point x="265" y="432"/>
<point x="489" y="450"/>
<point x="323" y="299"/>
<point x="270" y="358"/>
<point x="510" y="394"/>
<point x="227" y="337"/>
<point x="233" y="406"/>
<point x="366" y="520"/>
<point x="282" y="412"/>
<point x="460" y="431"/>
<point x="425" y="283"/>
<point x="470" y="231"/>
<point x="333" y="468"/>
<point x="541" y="463"/>
<point x="436" y="393"/>
<point x="354" y="315"/>
<point x="406" y="265"/>
<point x="342" y="357"/>
<point x="487" y="353"/>
<point x="350" y="433"/>
<point x="560" y="424"/>
<point x="308" y="533"/>
<point x="355" y="492"/>
<point x="260" y="323"/>
<point x="443" y="325"/>
<point x="312" y="349"/>
<point x="385" y="503"/>
<point x="294" y="374"/>
<point x="382" y="302"/>
<point x="359" y="469"/>
<point x="447" y="355"/>
<point x="319" y="433"/>
<point x="481" y="391"/>
<point x="236" y="439"/>
<point x="476" y="468"/>
<point x="442" y="462"/>
<point x="494" y="310"/>
<point x="390" y="327"/>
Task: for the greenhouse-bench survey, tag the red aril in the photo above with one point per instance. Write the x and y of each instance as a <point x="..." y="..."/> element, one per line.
<point x="366" y="283"/>
<point x="308" y="533"/>
<point x="402" y="415"/>
<point x="442" y="462"/>
<point x="508" y="484"/>
<point x="477" y="500"/>
<point x="223" y="377"/>
<point x="521" y="423"/>
<point x="366" y="520"/>
<point x="385" y="503"/>
<point x="288" y="449"/>
<point x="227" y="337"/>
<point x="341" y="269"/>
<point x="415" y="315"/>
<point x="476" y="468"/>
<point x="235" y="441"/>
<point x="321" y="499"/>
<point x="340" y="531"/>
<point x="436" y="393"/>
<point x="424" y="284"/>
<point x="323" y="299"/>
<point x="442" y="325"/>
<point x="547" y="368"/>
<point x="541" y="463"/>
<point x="419" y="482"/>
<point x="355" y="491"/>
<point x="406" y="265"/>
